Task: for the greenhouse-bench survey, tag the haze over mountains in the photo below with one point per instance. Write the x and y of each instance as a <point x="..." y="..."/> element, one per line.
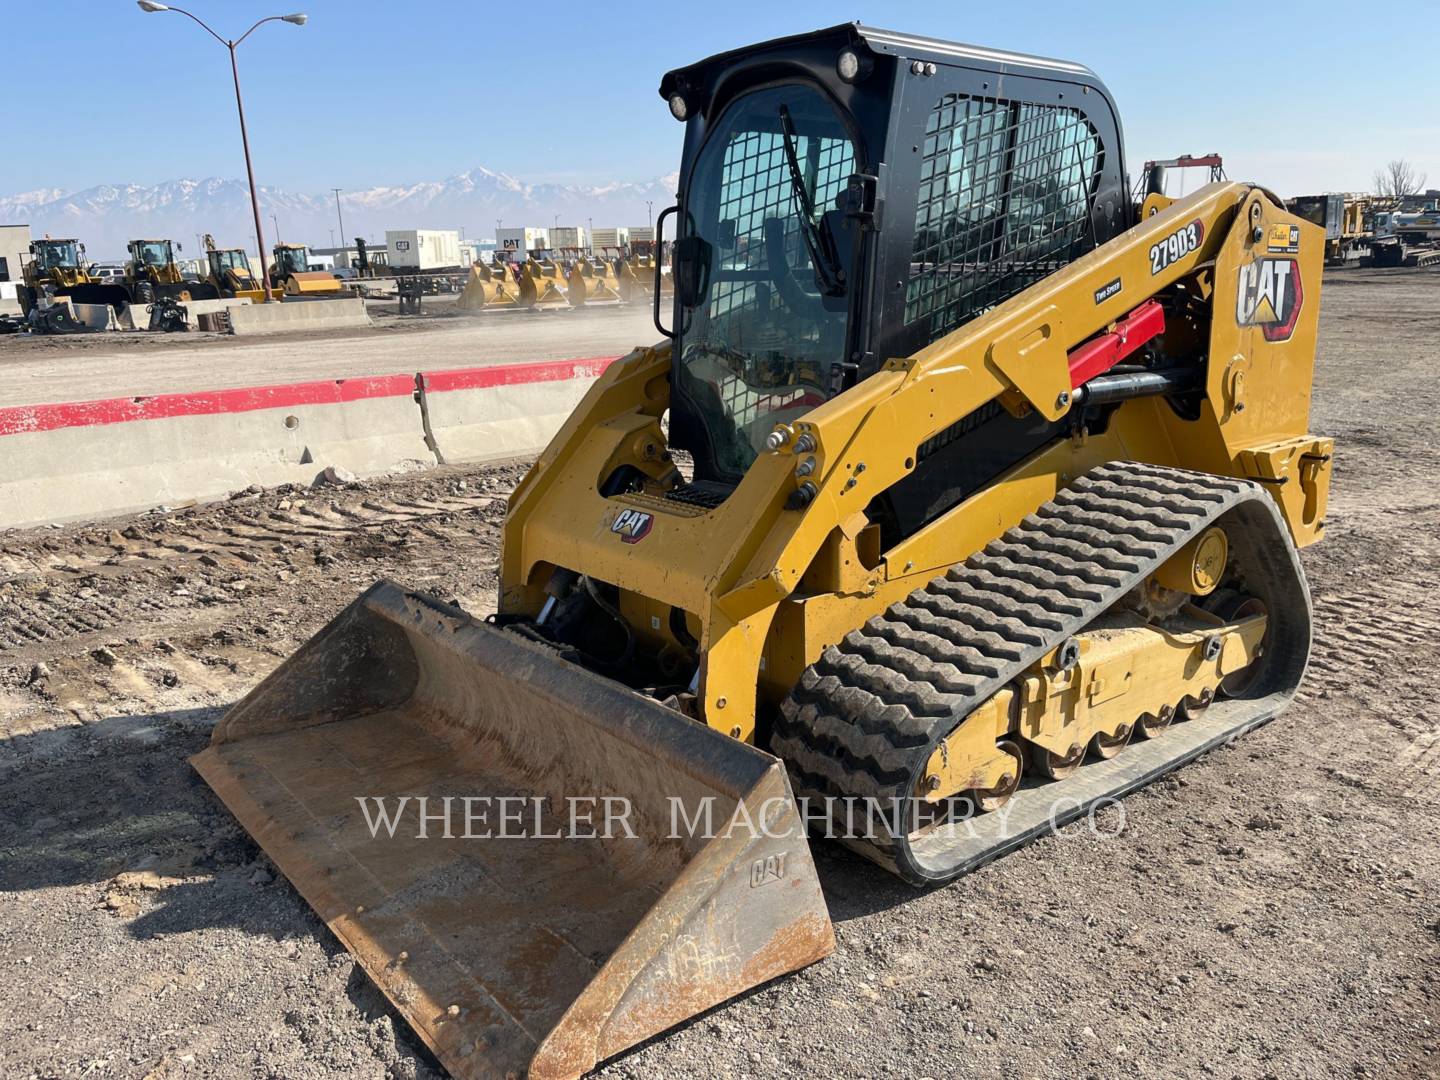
<point x="104" y="217"/>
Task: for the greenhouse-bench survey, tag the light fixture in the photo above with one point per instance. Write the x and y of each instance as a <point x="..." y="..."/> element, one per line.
<point x="851" y="66"/>
<point x="151" y="5"/>
<point x="299" y="18"/>
<point x="679" y="107"/>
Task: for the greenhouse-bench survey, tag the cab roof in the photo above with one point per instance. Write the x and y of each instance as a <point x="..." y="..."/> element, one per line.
<point x="882" y="43"/>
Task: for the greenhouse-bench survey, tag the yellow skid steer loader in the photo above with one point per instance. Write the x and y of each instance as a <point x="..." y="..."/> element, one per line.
<point x="987" y="513"/>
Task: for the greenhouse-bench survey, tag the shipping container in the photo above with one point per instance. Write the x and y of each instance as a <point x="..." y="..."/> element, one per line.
<point x="515" y="243"/>
<point x="611" y="238"/>
<point x="409" y="250"/>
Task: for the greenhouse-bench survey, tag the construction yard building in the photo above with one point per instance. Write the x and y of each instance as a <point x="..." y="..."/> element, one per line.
<point x="14" y="250"/>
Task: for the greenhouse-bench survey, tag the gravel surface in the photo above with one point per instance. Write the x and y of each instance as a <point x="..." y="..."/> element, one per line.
<point x="1272" y="910"/>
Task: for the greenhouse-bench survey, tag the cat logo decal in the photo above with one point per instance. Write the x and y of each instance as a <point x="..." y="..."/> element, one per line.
<point x="1269" y="295"/>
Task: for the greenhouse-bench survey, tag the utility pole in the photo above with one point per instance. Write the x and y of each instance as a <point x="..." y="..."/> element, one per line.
<point x="339" y="216"/>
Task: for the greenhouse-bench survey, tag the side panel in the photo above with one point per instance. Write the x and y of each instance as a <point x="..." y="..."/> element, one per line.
<point x="932" y="191"/>
<point x="1255" y="417"/>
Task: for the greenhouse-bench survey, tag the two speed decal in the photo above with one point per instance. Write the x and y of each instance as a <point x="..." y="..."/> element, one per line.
<point x="1176" y="246"/>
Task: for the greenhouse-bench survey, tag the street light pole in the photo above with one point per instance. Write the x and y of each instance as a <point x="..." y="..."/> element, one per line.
<point x="339" y="216"/>
<point x="297" y="19"/>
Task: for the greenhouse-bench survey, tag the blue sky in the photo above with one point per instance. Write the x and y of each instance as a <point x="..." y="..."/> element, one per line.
<point x="374" y="92"/>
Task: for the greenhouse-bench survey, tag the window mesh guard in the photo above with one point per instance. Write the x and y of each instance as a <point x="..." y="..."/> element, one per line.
<point x="1006" y="190"/>
<point x="756" y="186"/>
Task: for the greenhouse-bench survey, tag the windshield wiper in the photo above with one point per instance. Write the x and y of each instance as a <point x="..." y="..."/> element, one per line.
<point x="827" y="274"/>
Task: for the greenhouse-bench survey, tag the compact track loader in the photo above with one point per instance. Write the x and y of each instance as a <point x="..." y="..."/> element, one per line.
<point x="962" y="497"/>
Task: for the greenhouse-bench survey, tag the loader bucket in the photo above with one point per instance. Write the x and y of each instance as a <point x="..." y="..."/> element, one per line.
<point x="526" y="941"/>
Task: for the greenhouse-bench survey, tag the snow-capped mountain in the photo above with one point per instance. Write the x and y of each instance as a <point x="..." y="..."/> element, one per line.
<point x="108" y="215"/>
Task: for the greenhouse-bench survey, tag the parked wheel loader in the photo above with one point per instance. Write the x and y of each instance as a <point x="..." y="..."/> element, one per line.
<point x="151" y="274"/>
<point x="55" y="268"/>
<point x="961" y="497"/>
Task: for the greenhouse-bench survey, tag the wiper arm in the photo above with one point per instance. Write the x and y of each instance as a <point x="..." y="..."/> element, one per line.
<point x="827" y="274"/>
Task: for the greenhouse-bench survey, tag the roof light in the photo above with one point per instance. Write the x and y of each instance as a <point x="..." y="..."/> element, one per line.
<point x="679" y="107"/>
<point x="851" y="66"/>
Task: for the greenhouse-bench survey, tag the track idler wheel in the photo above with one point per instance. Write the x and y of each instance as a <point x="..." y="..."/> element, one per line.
<point x="1232" y="606"/>
<point x="996" y="797"/>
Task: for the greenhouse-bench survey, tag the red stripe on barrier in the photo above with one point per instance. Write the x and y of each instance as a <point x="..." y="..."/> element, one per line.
<point x="29" y="418"/>
<point x="23" y="418"/>
<point x="513" y="374"/>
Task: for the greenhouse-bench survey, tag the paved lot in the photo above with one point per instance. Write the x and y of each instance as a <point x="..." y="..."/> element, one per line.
<point x="85" y="367"/>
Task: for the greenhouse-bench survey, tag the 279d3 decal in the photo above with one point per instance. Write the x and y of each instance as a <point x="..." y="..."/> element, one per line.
<point x="1176" y="246"/>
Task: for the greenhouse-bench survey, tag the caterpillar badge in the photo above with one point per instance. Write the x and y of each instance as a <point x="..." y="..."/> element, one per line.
<point x="998" y="482"/>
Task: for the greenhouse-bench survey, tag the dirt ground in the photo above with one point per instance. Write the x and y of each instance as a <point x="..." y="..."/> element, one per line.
<point x="1271" y="911"/>
<point x="84" y="367"/>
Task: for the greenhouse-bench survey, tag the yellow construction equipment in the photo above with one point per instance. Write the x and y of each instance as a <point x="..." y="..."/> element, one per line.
<point x="589" y="281"/>
<point x="541" y="283"/>
<point x="230" y="273"/>
<point x="151" y="273"/>
<point x="632" y="287"/>
<point x="55" y="268"/>
<point x="489" y="286"/>
<point x="642" y="265"/>
<point x="290" y="273"/>
<point x="998" y="482"/>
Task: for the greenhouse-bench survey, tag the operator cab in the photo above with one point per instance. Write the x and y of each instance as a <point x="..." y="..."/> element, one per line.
<point x="154" y="254"/>
<point x="57" y="254"/>
<point x="853" y="194"/>
<point x="291" y="259"/>
<point x="224" y="260"/>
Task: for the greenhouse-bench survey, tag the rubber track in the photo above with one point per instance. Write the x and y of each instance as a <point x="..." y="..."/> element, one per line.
<point x="864" y="719"/>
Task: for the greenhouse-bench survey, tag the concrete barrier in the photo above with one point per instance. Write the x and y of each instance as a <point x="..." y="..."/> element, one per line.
<point x="195" y="308"/>
<point x="137" y="316"/>
<point x="299" y="315"/>
<point x="481" y="414"/>
<point x="93" y="459"/>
